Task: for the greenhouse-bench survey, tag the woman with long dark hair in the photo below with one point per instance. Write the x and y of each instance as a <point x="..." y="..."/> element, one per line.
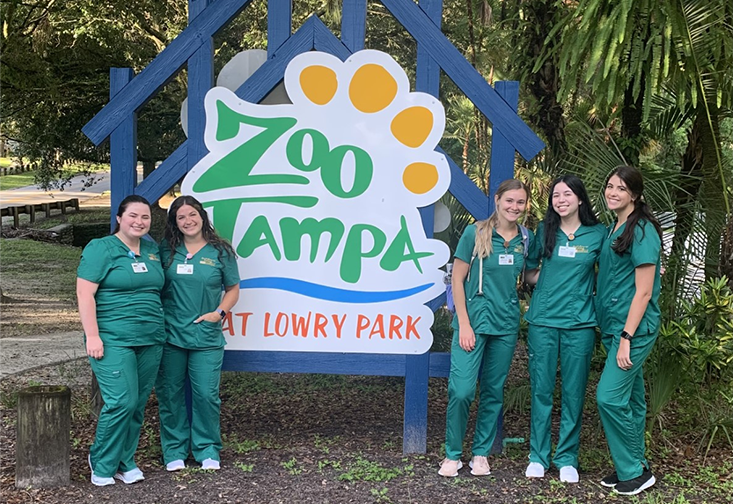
<point x="627" y="303"/>
<point x="198" y="265"/>
<point x="562" y="323"/>
<point x="118" y="287"/>
<point x="488" y="261"/>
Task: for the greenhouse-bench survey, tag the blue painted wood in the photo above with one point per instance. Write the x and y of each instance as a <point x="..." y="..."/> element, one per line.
<point x="162" y="68"/>
<point x="279" y="24"/>
<point x="428" y="70"/>
<point x="465" y="191"/>
<point x="474" y="86"/>
<point x="329" y="363"/>
<point x="315" y="362"/>
<point x="122" y="146"/>
<point x="271" y="72"/>
<point x="200" y="80"/>
<point x="159" y="182"/>
<point x="437" y="302"/>
<point x="439" y="364"/>
<point x="324" y="40"/>
<point x="353" y="24"/>
<point x="502" y="151"/>
<point x="415" y="425"/>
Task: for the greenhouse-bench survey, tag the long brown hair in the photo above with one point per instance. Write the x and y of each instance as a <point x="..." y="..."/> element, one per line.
<point x="635" y="185"/>
<point x="485" y="228"/>
<point x="174" y="237"/>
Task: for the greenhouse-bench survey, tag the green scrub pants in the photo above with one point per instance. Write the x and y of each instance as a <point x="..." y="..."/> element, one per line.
<point x="126" y="376"/>
<point x="202" y="436"/>
<point x="622" y="406"/>
<point x="495" y="354"/>
<point x="575" y="349"/>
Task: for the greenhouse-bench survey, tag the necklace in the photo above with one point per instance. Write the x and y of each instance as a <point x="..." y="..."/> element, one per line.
<point x="571" y="235"/>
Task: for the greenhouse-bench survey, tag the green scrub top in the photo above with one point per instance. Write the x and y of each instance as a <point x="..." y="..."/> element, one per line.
<point x="129" y="311"/>
<point x="496" y="312"/>
<point x="188" y="296"/>
<point x="563" y="297"/>
<point x="617" y="281"/>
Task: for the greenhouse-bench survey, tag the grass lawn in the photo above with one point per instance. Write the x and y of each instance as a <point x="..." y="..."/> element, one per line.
<point x="19" y="180"/>
<point x="27" y="178"/>
<point x="31" y="268"/>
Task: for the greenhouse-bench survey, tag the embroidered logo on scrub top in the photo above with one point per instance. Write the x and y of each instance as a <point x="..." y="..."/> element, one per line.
<point x="581" y="249"/>
<point x="519" y="249"/>
<point x="207" y="261"/>
<point x="153" y="257"/>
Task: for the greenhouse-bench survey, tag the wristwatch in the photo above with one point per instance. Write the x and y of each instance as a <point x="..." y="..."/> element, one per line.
<point x="221" y="312"/>
<point x="626" y="335"/>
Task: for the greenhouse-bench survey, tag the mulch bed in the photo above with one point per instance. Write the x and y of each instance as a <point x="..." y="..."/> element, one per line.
<point x="326" y="439"/>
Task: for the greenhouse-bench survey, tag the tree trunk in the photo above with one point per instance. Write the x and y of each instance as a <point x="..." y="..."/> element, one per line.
<point x="632" y="115"/>
<point x="712" y="193"/>
<point x="688" y="187"/>
<point x="545" y="83"/>
<point x="42" y="437"/>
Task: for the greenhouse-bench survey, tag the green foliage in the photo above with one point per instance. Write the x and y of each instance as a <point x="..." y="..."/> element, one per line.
<point x="366" y="470"/>
<point x="702" y="333"/>
<point x="292" y="466"/>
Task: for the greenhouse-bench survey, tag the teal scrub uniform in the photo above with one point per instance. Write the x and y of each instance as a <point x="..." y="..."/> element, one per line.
<point x="130" y="322"/>
<point x="494" y="318"/>
<point x="562" y="323"/>
<point x="620" y="394"/>
<point x="193" y="287"/>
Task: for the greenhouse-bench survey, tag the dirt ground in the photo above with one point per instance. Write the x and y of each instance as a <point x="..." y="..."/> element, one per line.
<point x="332" y="439"/>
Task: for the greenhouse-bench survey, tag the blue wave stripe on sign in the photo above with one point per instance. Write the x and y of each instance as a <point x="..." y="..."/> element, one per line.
<point x="329" y="293"/>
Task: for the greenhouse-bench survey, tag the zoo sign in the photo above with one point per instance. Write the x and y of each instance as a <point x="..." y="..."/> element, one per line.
<point x="320" y="200"/>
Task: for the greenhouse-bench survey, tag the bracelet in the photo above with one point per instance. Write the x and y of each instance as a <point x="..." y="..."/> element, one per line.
<point x="626" y="335"/>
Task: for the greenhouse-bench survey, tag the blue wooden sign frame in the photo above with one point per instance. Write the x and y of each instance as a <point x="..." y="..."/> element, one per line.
<point x="194" y="48"/>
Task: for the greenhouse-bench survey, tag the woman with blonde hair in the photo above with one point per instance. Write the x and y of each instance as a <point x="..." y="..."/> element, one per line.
<point x="488" y="261"/>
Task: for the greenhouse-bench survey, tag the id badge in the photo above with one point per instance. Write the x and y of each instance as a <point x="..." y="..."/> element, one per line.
<point x="506" y="259"/>
<point x="185" y="269"/>
<point x="139" y="267"/>
<point x="566" y="251"/>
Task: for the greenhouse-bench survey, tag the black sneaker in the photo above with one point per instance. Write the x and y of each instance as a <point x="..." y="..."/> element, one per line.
<point x="636" y="485"/>
<point x="610" y="481"/>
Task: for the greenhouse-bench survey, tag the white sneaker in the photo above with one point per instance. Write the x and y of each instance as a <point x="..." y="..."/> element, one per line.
<point x="569" y="474"/>
<point x="175" y="465"/>
<point x="535" y="470"/>
<point x="130" y="477"/>
<point x="210" y="465"/>
<point x="99" y="480"/>
<point x="449" y="468"/>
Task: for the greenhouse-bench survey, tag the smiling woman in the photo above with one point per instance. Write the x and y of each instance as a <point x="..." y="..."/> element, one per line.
<point x="119" y="280"/>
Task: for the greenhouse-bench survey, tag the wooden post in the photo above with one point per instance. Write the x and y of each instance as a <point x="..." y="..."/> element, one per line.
<point x="42" y="443"/>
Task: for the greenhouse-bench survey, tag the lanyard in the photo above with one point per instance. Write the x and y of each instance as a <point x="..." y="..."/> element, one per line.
<point x="188" y="256"/>
<point x="132" y="256"/>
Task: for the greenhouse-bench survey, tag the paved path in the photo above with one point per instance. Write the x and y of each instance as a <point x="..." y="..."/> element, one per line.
<point x="25" y="352"/>
<point x="32" y="195"/>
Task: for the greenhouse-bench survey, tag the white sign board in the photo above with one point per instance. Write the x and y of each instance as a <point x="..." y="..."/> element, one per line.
<point x="320" y="200"/>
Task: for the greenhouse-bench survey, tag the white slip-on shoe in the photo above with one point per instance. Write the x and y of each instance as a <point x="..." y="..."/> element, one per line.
<point x="480" y="466"/>
<point x="175" y="465"/>
<point x="210" y="465"/>
<point x="99" y="480"/>
<point x="130" y="477"/>
<point x="569" y="474"/>
<point x="449" y="468"/>
<point x="535" y="470"/>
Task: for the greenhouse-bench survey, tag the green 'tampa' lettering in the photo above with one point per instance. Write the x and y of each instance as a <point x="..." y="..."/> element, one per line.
<point x="293" y="232"/>
<point x="257" y="235"/>
<point x="395" y="254"/>
<point x="233" y="170"/>
<point x="353" y="254"/>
